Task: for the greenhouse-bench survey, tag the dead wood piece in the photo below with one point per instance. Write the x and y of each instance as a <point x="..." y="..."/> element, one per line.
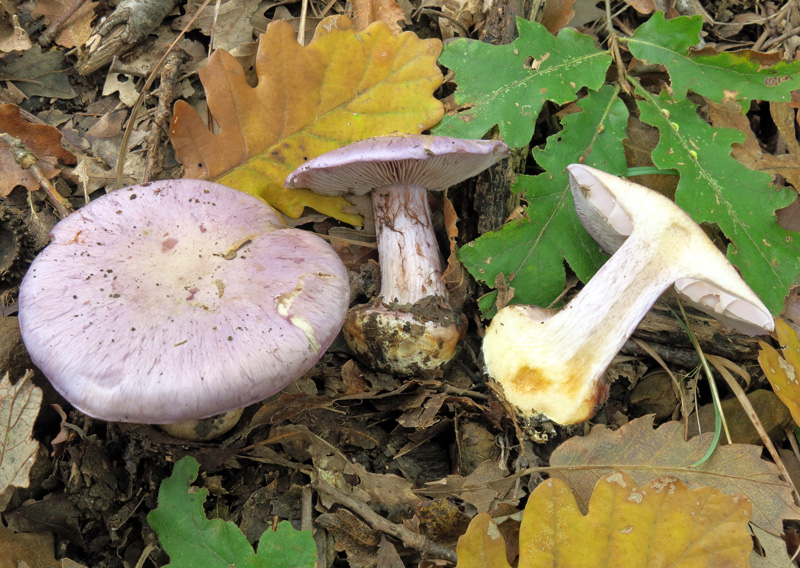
<point x="660" y="326"/>
<point x="131" y="21"/>
<point x="155" y="146"/>
<point x="408" y="537"/>
<point x="28" y="160"/>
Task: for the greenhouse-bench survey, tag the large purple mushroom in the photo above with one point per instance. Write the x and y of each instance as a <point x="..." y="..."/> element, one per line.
<point x="410" y="327"/>
<point x="178" y="300"/>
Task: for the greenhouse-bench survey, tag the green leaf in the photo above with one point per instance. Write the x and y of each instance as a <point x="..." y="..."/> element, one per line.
<point x="529" y="253"/>
<point x="192" y="540"/>
<point x="506" y="85"/>
<point x="716" y="188"/>
<point x="739" y="75"/>
<point x="287" y="548"/>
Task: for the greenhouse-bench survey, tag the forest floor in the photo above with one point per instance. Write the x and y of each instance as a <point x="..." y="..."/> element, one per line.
<point x="408" y="461"/>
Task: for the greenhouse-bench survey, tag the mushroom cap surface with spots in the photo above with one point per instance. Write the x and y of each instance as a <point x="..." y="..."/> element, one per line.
<point x="609" y="207"/>
<point x="178" y="300"/>
<point x="432" y="162"/>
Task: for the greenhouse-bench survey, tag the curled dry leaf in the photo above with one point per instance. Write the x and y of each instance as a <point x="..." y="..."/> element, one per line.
<point x="342" y="87"/>
<point x="19" y="407"/>
<point x="662" y="524"/>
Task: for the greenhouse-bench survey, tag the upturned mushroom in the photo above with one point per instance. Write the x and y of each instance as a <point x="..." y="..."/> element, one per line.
<point x="178" y="300"/>
<point x="410" y="326"/>
<point x="554" y="362"/>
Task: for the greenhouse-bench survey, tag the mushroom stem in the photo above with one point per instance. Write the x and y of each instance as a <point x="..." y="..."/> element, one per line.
<point x="411" y="268"/>
<point x="566" y="382"/>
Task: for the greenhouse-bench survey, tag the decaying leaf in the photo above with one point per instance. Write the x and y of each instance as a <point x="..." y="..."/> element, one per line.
<point x="481" y="488"/>
<point x="342" y="87"/>
<point x="38" y="73"/>
<point x="365" y="12"/>
<point x="749" y="152"/>
<point x="783" y="370"/>
<point x="644" y="453"/>
<point x="19" y="407"/>
<point x="231" y="24"/>
<point x="13" y="36"/>
<point x="41" y="139"/>
<point x="26" y="549"/>
<point x="77" y="29"/>
<point x="662" y="524"/>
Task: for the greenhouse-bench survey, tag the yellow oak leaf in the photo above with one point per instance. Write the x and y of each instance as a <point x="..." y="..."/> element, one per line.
<point x="342" y="87"/>
<point x="783" y="372"/>
<point x="662" y="524"/>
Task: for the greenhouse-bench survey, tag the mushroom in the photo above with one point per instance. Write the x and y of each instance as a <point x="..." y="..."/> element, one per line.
<point x="178" y="300"/>
<point x="553" y="363"/>
<point x="410" y="326"/>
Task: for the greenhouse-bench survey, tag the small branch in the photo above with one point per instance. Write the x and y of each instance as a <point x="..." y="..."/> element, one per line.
<point x="55" y="28"/>
<point x="155" y="146"/>
<point x="27" y="160"/>
<point x="409" y="538"/>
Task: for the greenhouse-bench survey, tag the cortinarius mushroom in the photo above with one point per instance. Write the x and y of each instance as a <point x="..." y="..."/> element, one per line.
<point x="554" y="363"/>
<point x="410" y="326"/>
<point x="178" y="300"/>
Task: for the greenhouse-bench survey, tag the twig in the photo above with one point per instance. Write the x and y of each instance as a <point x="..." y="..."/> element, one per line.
<point x="155" y="148"/>
<point x="140" y="99"/>
<point x="55" y="28"/>
<point x="306" y="509"/>
<point x="27" y="160"/>
<point x="791" y="33"/>
<point x="409" y="538"/>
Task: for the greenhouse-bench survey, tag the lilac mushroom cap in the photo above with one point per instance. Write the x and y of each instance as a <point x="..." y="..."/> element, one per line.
<point x="178" y="300"/>
<point x="410" y="326"/>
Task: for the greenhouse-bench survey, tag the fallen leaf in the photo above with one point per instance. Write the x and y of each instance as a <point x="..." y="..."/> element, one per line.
<point x="13" y="36"/>
<point x="662" y="524"/>
<point x="19" y="407"/>
<point x="42" y="140"/>
<point x="471" y="14"/>
<point x="232" y="24"/>
<point x="482" y="546"/>
<point x="783" y="370"/>
<point x="770" y="552"/>
<point x="750" y="152"/>
<point x="645" y="454"/>
<point x="38" y="73"/>
<point x="34" y="550"/>
<point x="557" y="14"/>
<point x="481" y="488"/>
<point x="342" y="87"/>
<point x="366" y="12"/>
<point x="123" y="84"/>
<point x="77" y="29"/>
<point x="642" y="6"/>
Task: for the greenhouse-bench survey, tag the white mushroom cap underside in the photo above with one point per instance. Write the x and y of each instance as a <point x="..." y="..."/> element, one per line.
<point x="134" y="314"/>
<point x="432" y="162"/>
<point x="612" y="208"/>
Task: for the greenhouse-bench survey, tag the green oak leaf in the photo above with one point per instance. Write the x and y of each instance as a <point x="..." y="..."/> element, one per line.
<point x="193" y="540"/>
<point x="529" y="253"/>
<point x="506" y="85"/>
<point x="716" y="188"/>
<point x="739" y="75"/>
